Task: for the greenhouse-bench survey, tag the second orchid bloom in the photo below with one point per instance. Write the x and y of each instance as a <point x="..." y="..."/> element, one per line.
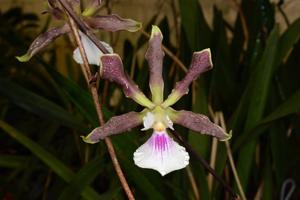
<point x="160" y="152"/>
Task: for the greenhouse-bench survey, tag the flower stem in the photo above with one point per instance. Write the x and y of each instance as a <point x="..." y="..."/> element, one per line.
<point x="231" y="161"/>
<point x="213" y="156"/>
<point x="95" y="96"/>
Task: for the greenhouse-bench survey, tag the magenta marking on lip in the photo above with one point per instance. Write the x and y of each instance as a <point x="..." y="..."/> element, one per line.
<point x="160" y="142"/>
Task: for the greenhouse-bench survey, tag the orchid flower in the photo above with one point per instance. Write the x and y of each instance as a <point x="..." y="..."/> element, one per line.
<point x="108" y="22"/>
<point x="160" y="152"/>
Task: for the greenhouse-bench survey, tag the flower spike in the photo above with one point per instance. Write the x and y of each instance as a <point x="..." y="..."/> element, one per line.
<point x="160" y="152"/>
<point x="115" y="125"/>
<point x="86" y="24"/>
<point x="154" y="56"/>
<point x="201" y="62"/>
<point x="112" y="70"/>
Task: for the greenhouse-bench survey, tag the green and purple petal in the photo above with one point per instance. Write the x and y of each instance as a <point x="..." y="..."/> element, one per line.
<point x="154" y="56"/>
<point x="198" y="123"/>
<point x="201" y="62"/>
<point x="112" y="70"/>
<point x="43" y="41"/>
<point x="112" y="23"/>
<point x="115" y="125"/>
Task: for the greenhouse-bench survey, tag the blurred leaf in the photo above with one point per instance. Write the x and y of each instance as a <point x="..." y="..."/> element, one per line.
<point x="288" y="39"/>
<point x="279" y="144"/>
<point x="222" y="88"/>
<point x="76" y="94"/>
<point x="12" y="161"/>
<point x="290" y="106"/>
<point x="38" y="105"/>
<point x="194" y="25"/>
<point x="259" y="85"/>
<point x="267" y="180"/>
<point x="56" y="165"/>
<point x="82" y="179"/>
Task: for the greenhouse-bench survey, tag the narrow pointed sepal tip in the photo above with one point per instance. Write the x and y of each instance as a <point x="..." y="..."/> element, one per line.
<point x="137" y="27"/>
<point x="228" y="136"/>
<point x="88" y="140"/>
<point x="24" y="58"/>
<point x="155" y="31"/>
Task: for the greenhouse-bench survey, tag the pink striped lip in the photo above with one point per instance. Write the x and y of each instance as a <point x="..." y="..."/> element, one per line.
<point x="160" y="141"/>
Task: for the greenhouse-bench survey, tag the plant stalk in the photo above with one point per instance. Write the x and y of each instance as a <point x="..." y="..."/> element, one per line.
<point x="93" y="89"/>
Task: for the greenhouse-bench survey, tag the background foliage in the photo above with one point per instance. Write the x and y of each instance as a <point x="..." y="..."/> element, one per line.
<point x="45" y="106"/>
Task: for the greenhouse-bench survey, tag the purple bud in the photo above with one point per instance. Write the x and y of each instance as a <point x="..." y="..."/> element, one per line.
<point x="199" y="123"/>
<point x="44" y="40"/>
<point x="201" y="62"/>
<point x="112" y="23"/>
<point x="115" y="125"/>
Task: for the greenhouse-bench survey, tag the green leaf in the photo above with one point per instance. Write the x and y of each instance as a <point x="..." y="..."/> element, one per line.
<point x="287" y="40"/>
<point x="56" y="165"/>
<point x="39" y="105"/>
<point x="259" y="90"/>
<point x="82" y="179"/>
<point x="194" y="25"/>
<point x="289" y="106"/>
<point x="12" y="161"/>
<point x="80" y="98"/>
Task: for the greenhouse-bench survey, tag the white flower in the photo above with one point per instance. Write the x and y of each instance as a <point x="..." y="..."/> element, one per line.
<point x="161" y="153"/>
<point x="93" y="53"/>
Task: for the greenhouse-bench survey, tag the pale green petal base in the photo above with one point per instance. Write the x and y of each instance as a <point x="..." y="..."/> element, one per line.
<point x="24" y="58"/>
<point x="229" y="135"/>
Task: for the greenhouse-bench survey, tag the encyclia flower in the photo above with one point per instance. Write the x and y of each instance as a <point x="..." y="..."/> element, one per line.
<point x="106" y="22"/>
<point x="160" y="152"/>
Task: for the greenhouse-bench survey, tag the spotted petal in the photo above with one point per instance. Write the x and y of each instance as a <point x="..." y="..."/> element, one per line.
<point x="154" y="56"/>
<point x="198" y="123"/>
<point x="162" y="154"/>
<point x="43" y="41"/>
<point x="201" y="62"/>
<point x="112" y="69"/>
<point x="115" y="125"/>
<point x="112" y="23"/>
